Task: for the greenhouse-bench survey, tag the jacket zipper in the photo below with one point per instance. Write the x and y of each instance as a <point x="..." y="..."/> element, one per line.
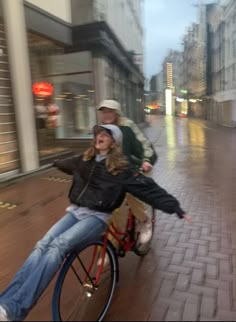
<point x="85" y="188"/>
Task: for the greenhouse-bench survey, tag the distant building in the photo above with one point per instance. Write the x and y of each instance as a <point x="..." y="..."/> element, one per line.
<point x="157" y="90"/>
<point x="222" y="67"/>
<point x="170" y="69"/>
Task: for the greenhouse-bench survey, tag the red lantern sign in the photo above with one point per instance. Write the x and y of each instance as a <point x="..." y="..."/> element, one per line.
<point x="42" y="89"/>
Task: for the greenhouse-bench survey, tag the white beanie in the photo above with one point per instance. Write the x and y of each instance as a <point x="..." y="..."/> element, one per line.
<point x="113" y="130"/>
<point x="112" y="104"/>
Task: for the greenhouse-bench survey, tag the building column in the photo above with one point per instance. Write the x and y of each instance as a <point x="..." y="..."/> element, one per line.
<point x="14" y="20"/>
<point x="99" y="79"/>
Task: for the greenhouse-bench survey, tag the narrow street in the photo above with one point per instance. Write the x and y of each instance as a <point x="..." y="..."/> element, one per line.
<point x="190" y="272"/>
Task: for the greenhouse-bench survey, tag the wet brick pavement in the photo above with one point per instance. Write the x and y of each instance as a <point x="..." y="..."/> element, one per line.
<point x="190" y="272"/>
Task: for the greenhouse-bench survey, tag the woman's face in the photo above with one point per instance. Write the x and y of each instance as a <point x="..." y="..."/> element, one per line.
<point x="103" y="142"/>
<point x="108" y="116"/>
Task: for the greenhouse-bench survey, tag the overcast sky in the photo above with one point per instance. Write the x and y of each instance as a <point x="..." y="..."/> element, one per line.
<point x="165" y="24"/>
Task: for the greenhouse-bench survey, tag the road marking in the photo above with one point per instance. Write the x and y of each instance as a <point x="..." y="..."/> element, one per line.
<point x="56" y="179"/>
<point x="7" y="205"/>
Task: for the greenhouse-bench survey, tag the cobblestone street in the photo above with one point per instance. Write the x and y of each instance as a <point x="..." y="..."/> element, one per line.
<point x="190" y="272"/>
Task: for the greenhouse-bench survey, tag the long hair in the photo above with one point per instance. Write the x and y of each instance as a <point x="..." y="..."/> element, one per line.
<point x="116" y="162"/>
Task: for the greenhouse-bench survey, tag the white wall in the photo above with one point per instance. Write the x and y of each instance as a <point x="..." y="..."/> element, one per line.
<point x="58" y="8"/>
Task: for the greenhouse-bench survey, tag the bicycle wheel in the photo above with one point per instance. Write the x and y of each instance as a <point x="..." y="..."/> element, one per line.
<point x="141" y="249"/>
<point x="77" y="296"/>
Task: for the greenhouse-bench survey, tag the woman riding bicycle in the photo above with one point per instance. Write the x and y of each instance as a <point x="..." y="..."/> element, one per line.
<point x="101" y="178"/>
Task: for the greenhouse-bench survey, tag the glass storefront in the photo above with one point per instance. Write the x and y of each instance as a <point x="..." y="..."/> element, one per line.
<point x="70" y="75"/>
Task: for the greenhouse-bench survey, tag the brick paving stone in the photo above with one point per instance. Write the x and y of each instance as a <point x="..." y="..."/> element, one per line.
<point x="226" y="267"/>
<point x="173" y="240"/>
<point x="224" y="300"/>
<point x="208" y="260"/>
<point x="190" y="254"/>
<point x="167" y="288"/>
<point x="205" y="231"/>
<point x="198" y="241"/>
<point x="214" y="246"/>
<point x="158" y="313"/>
<point x="179" y="269"/>
<point x="219" y="255"/>
<point x="177" y="250"/>
<point x="195" y="234"/>
<point x="212" y="271"/>
<point x="163" y="262"/>
<point x="177" y="259"/>
<point x="224" y="285"/>
<point x="202" y="250"/>
<point x="224" y="315"/>
<point x="198" y="276"/>
<point x="194" y="264"/>
<point x="202" y="290"/>
<point x="191" y="312"/>
<point x="186" y="295"/>
<point x="182" y="282"/>
<point x="183" y="237"/>
<point x="174" y="312"/>
<point x="208" y="307"/>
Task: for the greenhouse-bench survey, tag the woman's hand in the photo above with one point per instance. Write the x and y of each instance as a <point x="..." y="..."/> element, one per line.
<point x="188" y="218"/>
<point x="146" y="166"/>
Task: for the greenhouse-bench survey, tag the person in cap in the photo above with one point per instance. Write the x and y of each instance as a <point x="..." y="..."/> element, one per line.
<point x="136" y="146"/>
<point x="101" y="178"/>
<point x="140" y="152"/>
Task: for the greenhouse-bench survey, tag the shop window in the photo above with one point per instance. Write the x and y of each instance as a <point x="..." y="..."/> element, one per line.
<point x="70" y="111"/>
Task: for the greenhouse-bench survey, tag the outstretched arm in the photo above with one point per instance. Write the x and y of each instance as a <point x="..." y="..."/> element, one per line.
<point x="68" y="165"/>
<point x="147" y="190"/>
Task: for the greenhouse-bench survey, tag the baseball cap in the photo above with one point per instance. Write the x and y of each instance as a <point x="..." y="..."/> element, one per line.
<point x="113" y="131"/>
<point x="112" y="104"/>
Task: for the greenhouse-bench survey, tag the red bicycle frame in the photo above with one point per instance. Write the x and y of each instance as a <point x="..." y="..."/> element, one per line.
<point x="124" y="239"/>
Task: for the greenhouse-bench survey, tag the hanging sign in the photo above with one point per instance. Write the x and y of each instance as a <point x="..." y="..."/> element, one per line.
<point x="42" y="89"/>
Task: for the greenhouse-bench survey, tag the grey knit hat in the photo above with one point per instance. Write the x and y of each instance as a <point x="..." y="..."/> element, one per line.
<point x="113" y="130"/>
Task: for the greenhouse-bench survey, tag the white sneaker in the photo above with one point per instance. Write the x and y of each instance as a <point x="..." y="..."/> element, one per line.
<point x="106" y="261"/>
<point x="145" y="232"/>
<point x="3" y="314"/>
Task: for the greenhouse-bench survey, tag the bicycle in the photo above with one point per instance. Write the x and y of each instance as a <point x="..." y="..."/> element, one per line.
<point x="95" y="284"/>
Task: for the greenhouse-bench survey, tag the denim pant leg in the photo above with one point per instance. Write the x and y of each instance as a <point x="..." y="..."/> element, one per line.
<point x="31" y="263"/>
<point x="76" y="237"/>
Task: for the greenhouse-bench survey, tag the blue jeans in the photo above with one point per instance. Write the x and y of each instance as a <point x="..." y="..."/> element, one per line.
<point x="46" y="258"/>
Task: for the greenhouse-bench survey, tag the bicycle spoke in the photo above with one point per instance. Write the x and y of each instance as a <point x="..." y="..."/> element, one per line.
<point x="79" y="299"/>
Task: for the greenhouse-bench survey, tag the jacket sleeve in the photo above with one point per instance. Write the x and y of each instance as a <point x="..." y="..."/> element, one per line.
<point x="147" y="190"/>
<point x="149" y="153"/>
<point x="68" y="165"/>
<point x="132" y="147"/>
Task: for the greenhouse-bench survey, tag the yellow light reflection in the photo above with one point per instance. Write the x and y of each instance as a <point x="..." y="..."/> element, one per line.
<point x="170" y="132"/>
<point x="196" y="134"/>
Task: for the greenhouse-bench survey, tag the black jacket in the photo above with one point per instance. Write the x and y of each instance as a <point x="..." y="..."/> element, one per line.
<point x="94" y="187"/>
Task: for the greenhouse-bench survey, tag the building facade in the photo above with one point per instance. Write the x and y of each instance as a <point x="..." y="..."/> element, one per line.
<point x="171" y="81"/>
<point x="195" y="65"/>
<point x="79" y="50"/>
<point x="222" y="37"/>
